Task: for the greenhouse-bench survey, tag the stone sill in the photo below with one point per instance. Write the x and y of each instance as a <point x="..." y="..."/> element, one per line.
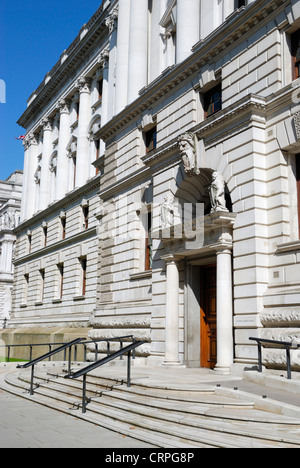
<point x="141" y="275"/>
<point x="57" y="301"/>
<point x="23" y="306"/>
<point x="79" y="298"/>
<point x="38" y="303"/>
<point x="288" y="247"/>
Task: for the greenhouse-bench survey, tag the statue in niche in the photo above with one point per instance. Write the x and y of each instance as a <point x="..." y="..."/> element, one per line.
<point x="186" y="143"/>
<point x="217" y="193"/>
<point x="167" y="211"/>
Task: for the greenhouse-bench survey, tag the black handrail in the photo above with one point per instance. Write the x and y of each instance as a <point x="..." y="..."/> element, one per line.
<point x="83" y="372"/>
<point x="287" y="345"/>
<point x="46" y="356"/>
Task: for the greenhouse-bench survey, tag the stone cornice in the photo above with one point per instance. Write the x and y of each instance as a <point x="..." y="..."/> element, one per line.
<point x="70" y="60"/>
<point x="75" y="195"/>
<point x="222" y="40"/>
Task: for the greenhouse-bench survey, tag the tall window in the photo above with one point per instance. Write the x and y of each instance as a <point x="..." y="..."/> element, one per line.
<point x="61" y="280"/>
<point x="42" y="290"/>
<point x="295" y="46"/>
<point x="298" y="187"/>
<point x="148" y="245"/>
<point x="83" y="263"/>
<point x="239" y="3"/>
<point x="26" y="287"/>
<point x="63" y="227"/>
<point x="85" y="210"/>
<point x="74" y="170"/>
<point x="45" y="233"/>
<point x="151" y="139"/>
<point x="100" y="88"/>
<point x="213" y="101"/>
<point x="29" y="238"/>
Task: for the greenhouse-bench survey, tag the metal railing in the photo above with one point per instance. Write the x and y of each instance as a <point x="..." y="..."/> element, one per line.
<point x="64" y="347"/>
<point x="83" y="372"/>
<point x="261" y="342"/>
<point x="31" y="346"/>
<point x="46" y="356"/>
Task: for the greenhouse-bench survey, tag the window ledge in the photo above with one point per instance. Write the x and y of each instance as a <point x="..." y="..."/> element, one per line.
<point x="38" y="303"/>
<point x="288" y="247"/>
<point x="141" y="274"/>
<point x="57" y="301"/>
<point x="23" y="306"/>
<point x="79" y="298"/>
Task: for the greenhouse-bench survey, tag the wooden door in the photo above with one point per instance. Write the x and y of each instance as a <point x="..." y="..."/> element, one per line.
<point x="208" y="329"/>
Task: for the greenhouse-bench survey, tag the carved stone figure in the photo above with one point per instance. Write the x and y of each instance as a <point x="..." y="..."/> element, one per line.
<point x="217" y="193"/>
<point x="186" y="143"/>
<point x="167" y="211"/>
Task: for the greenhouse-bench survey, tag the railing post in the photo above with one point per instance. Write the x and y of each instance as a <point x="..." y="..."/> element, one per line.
<point x="108" y="348"/>
<point x="259" y="357"/>
<point x="31" y="382"/>
<point x="30" y="354"/>
<point x="84" y="394"/>
<point x="288" y="362"/>
<point x="8" y="353"/>
<point x="128" y="370"/>
<point x="121" y="347"/>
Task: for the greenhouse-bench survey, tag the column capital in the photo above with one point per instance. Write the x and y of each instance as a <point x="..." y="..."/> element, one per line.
<point x="84" y="84"/>
<point x="111" y="20"/>
<point x="64" y="106"/>
<point x="103" y="58"/>
<point x="30" y="139"/>
<point x="172" y="258"/>
<point x="47" y="124"/>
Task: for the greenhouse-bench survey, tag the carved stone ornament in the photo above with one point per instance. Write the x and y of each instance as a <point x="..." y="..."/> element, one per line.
<point x="103" y="58"/>
<point x="9" y="220"/>
<point x="297" y="124"/>
<point x="217" y="193"/>
<point x="64" y="106"/>
<point x="167" y="212"/>
<point x="84" y="84"/>
<point x="112" y="19"/>
<point x="186" y="143"/>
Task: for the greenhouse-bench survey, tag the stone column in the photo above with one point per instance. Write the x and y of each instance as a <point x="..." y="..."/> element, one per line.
<point x="138" y="48"/>
<point x="112" y="22"/>
<point x="83" y="123"/>
<point x="224" y="311"/>
<point x="30" y="166"/>
<point x="62" y="156"/>
<point x="45" y="185"/>
<point x="172" y="312"/>
<point x="188" y="27"/>
<point x="122" y="56"/>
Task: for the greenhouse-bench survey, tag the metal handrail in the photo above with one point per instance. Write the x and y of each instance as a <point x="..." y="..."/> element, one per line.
<point x="83" y="372"/>
<point x="46" y="356"/>
<point x="50" y="345"/>
<point x="287" y="345"/>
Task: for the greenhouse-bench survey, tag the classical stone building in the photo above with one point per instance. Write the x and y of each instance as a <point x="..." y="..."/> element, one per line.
<point x="10" y="207"/>
<point x="162" y="182"/>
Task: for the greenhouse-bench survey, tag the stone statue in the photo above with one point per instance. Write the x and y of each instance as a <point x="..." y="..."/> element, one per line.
<point x="186" y="143"/>
<point x="217" y="193"/>
<point x="167" y="211"/>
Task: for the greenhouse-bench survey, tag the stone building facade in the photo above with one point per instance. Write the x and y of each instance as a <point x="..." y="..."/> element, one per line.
<point x="175" y="125"/>
<point x="10" y="209"/>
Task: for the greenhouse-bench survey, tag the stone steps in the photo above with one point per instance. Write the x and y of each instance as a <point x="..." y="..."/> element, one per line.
<point x="160" y="416"/>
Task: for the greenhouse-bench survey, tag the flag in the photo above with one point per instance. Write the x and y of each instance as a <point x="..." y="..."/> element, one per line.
<point x="21" y="137"/>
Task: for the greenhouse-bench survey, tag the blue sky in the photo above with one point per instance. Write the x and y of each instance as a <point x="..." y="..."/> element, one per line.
<point x="33" y="35"/>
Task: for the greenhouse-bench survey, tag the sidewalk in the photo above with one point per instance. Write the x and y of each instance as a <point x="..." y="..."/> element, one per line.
<point x="24" y="424"/>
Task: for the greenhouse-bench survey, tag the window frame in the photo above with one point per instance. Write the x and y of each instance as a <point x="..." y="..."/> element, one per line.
<point x="207" y="100"/>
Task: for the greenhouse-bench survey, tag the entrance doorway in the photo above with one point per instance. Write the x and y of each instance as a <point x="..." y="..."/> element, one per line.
<point x="208" y="316"/>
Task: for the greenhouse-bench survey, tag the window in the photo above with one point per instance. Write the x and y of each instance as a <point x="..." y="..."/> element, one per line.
<point x="298" y="187"/>
<point x="61" y="280"/>
<point x="213" y="101"/>
<point x="239" y="3"/>
<point x="85" y="210"/>
<point x="45" y="233"/>
<point x="151" y="139"/>
<point x="63" y="227"/>
<point x="83" y="263"/>
<point x="77" y="110"/>
<point x="295" y="51"/>
<point x="29" y="238"/>
<point x="26" y="287"/>
<point x="148" y="245"/>
<point x="100" y="88"/>
<point x="74" y="170"/>
<point x="42" y="290"/>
